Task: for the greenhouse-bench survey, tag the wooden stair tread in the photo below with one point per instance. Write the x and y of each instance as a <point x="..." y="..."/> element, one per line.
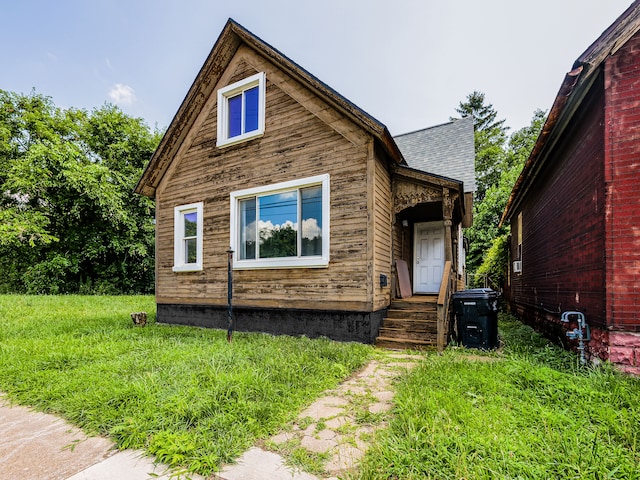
<point x="410" y="314"/>
<point x="407" y="328"/>
<point x="409" y="324"/>
<point x="403" y="344"/>
<point x="394" y="339"/>
<point x="414" y="306"/>
<point x="416" y="319"/>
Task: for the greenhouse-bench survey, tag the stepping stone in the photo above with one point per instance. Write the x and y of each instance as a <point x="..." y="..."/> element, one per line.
<point x="257" y="464"/>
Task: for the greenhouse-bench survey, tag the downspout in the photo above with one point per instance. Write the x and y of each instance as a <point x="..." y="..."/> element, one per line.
<point x="229" y="294"/>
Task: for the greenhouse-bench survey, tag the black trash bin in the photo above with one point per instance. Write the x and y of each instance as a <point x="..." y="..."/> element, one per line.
<point x="476" y="312"/>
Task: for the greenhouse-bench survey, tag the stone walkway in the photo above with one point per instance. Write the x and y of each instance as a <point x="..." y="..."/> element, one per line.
<point x="328" y="439"/>
<point x="331" y="436"/>
<point x="40" y="446"/>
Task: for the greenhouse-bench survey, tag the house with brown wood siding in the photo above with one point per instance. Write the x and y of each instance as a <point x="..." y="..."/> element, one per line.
<point x="313" y="197"/>
<point x="574" y="211"/>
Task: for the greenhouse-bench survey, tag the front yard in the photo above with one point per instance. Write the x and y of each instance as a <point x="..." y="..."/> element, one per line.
<point x="194" y="400"/>
<point x="528" y="411"/>
<point x="183" y="394"/>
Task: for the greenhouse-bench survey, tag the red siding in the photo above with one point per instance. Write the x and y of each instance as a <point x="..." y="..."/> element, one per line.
<point x="622" y="174"/>
<point x="563" y="227"/>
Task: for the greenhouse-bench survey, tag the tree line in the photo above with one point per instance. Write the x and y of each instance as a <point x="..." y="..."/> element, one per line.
<point x="499" y="161"/>
<point x="70" y="222"/>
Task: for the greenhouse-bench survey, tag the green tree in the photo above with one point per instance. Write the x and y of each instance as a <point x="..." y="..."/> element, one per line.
<point x="487" y="242"/>
<point x="490" y="136"/>
<point x="279" y="242"/>
<point x="70" y="220"/>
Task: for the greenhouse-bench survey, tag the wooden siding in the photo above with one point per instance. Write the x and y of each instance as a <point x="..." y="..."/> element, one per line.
<point x="303" y="137"/>
<point x="563" y="226"/>
<point x="622" y="176"/>
<point x="382" y="219"/>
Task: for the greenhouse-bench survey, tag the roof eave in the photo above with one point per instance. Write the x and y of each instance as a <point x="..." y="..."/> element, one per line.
<point x="224" y="48"/>
<point x="548" y="131"/>
<point x="575" y="86"/>
<point x="355" y="113"/>
<point x="441" y="181"/>
<point x="231" y="37"/>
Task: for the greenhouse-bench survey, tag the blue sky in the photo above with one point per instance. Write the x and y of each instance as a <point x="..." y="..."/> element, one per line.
<point x="406" y="62"/>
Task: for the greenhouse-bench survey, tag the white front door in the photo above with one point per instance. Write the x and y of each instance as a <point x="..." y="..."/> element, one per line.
<point x="428" y="258"/>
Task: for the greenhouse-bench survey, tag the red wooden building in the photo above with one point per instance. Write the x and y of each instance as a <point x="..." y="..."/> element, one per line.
<point x="575" y="209"/>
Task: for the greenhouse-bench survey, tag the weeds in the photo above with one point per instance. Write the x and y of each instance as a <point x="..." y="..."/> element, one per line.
<point x="527" y="412"/>
<point x="184" y="394"/>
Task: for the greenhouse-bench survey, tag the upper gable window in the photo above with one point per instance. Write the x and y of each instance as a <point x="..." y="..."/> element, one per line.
<point x="241" y="110"/>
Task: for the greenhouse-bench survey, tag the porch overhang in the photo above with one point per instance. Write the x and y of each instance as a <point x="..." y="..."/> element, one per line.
<point x="413" y="187"/>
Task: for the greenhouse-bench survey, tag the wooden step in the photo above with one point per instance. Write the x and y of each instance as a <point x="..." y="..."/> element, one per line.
<point x="394" y="313"/>
<point x="408" y="305"/>
<point x="403" y="334"/>
<point x="410" y="324"/>
<point x="404" y="344"/>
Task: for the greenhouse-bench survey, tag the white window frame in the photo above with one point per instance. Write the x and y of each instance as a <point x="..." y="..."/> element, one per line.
<point x="232" y="90"/>
<point x="318" y="261"/>
<point x="179" y="264"/>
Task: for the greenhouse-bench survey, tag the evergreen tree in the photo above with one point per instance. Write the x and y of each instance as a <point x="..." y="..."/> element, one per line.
<point x="487" y="254"/>
<point x="490" y="136"/>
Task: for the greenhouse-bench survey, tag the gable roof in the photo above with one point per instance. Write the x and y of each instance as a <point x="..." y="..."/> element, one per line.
<point x="573" y="91"/>
<point x="232" y="37"/>
<point x="446" y="150"/>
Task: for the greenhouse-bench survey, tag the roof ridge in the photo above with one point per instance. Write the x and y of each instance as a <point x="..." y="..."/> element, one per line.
<point x="453" y="120"/>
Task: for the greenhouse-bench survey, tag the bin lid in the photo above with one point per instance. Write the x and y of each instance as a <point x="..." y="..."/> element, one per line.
<point x="475" y="293"/>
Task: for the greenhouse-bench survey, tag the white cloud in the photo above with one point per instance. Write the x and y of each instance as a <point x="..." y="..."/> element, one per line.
<point x="267" y="228"/>
<point x="122" y="94"/>
<point x="310" y="229"/>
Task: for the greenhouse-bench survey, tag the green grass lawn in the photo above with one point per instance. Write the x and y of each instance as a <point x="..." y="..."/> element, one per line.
<point x="184" y="394"/>
<point x="527" y="412"/>
<point x="196" y="401"/>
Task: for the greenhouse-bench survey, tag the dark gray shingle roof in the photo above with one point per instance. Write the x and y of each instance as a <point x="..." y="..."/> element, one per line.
<point x="446" y="150"/>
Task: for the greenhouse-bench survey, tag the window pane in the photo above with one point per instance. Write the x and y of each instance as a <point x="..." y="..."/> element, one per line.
<point x="190" y="250"/>
<point x="311" y="220"/>
<point x="235" y="116"/>
<point x="251" y="109"/>
<point x="279" y="225"/>
<point x="190" y="224"/>
<point x="247" y="229"/>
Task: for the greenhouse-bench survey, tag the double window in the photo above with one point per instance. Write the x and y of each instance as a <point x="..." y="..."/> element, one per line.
<point x="241" y="110"/>
<point x="187" y="242"/>
<point x="282" y="225"/>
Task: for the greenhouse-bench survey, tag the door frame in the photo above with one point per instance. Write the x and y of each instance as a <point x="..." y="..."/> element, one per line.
<point x="439" y="223"/>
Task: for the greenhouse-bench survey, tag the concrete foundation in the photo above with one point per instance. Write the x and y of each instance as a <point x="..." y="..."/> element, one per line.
<point x="337" y="325"/>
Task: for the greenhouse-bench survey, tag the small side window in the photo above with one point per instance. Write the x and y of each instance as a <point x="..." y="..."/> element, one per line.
<point x="517" y="264"/>
<point x="187" y="245"/>
<point x="241" y="110"/>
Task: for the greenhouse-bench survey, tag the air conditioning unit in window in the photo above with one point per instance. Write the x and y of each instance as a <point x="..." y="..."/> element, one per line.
<point x="517" y="266"/>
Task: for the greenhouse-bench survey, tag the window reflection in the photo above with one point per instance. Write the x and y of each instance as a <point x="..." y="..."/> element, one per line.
<point x="281" y="225"/>
<point x="190" y="237"/>
<point x="248" y="229"/>
<point x="311" y="220"/>
<point x="278" y="225"/>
